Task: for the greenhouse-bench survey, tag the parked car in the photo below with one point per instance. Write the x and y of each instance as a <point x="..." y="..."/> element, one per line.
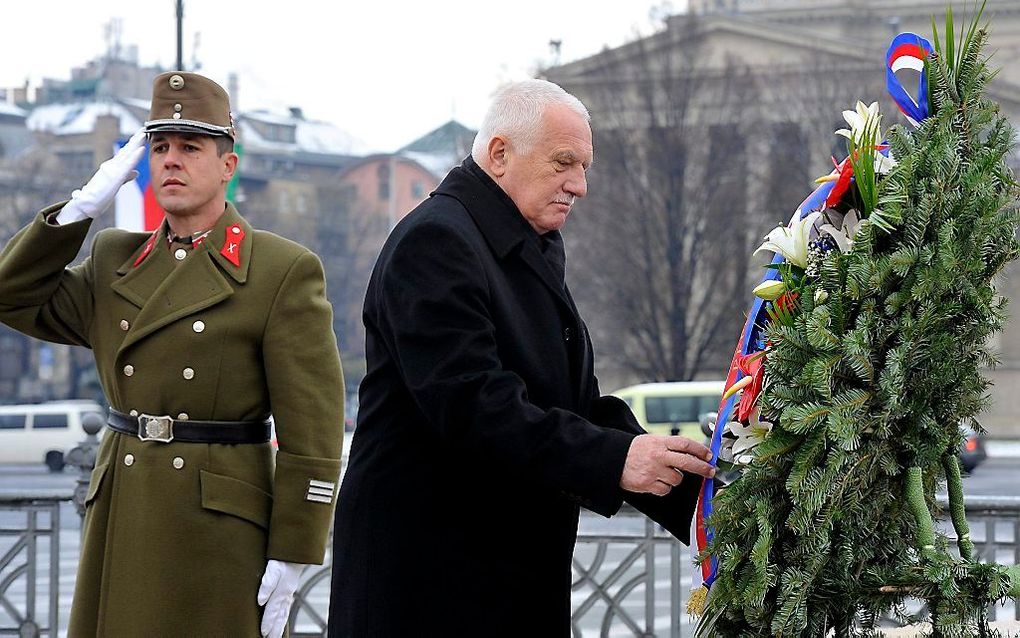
<point x="43" y="432"/>
<point x="673" y="407"/>
<point x="973" y="451"/>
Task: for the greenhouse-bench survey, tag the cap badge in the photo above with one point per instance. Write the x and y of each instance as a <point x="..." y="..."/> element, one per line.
<point x="176" y="82"/>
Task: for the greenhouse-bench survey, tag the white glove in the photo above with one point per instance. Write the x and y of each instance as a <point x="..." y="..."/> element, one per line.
<point x="276" y="593"/>
<point x="96" y="196"/>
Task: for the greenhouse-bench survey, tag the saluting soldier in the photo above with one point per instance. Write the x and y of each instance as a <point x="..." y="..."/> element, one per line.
<point x="201" y="331"/>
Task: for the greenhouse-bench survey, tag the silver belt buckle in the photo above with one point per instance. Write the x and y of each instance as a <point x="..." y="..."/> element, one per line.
<point x="155" y="428"/>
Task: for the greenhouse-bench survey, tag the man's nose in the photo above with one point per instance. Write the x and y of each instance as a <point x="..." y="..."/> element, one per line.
<point x="172" y="157"/>
<point x="577" y="185"/>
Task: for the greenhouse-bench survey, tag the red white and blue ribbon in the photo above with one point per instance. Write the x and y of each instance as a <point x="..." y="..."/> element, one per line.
<point x="749" y="343"/>
<point x="908" y="51"/>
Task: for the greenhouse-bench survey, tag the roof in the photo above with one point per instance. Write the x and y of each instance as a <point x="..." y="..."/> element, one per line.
<point x="10" y="109"/>
<point x="80" y="118"/>
<point x="310" y="136"/>
<point x="442" y="148"/>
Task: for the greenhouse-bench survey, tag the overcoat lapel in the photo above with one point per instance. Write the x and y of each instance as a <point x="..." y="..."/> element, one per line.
<point x="193" y="286"/>
<point x="500" y="221"/>
<point x="505" y="229"/>
<point x="166" y="292"/>
<point x="138" y="282"/>
<point x="531" y="254"/>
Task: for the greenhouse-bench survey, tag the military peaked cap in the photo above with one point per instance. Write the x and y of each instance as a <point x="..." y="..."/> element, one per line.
<point x="189" y="103"/>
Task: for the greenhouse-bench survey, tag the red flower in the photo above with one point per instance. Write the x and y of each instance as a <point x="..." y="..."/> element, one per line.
<point x="846" y="173"/>
<point x="752" y="365"/>
<point x="787" y="300"/>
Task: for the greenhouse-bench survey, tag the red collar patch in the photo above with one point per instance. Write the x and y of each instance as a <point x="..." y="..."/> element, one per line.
<point x="148" y="248"/>
<point x="232" y="244"/>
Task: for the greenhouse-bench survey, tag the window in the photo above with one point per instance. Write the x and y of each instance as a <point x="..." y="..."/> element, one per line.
<point x="12" y="421"/>
<point x="49" y="421"/>
<point x="671" y="409"/>
<point x="679" y="409"/>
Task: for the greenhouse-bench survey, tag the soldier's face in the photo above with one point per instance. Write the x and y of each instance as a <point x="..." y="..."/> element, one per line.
<point x="188" y="176"/>
<point x="545" y="181"/>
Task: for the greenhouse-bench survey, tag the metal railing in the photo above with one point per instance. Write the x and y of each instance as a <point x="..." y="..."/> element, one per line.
<point x="630" y="577"/>
<point x="30" y="562"/>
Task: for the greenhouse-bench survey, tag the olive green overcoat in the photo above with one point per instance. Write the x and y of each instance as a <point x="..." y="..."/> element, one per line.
<point x="177" y="535"/>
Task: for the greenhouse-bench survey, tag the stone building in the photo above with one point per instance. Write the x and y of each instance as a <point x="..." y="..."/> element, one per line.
<point x="796" y="64"/>
<point x="305" y="179"/>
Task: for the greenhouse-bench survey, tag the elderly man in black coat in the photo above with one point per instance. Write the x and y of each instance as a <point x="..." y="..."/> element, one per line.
<point x="482" y="429"/>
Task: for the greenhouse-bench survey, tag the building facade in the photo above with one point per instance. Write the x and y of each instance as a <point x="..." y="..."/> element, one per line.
<point x="776" y="74"/>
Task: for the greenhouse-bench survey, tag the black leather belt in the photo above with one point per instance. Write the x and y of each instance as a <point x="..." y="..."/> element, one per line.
<point x="164" y="429"/>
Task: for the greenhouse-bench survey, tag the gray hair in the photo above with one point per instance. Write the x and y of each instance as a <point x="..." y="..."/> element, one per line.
<point x="516" y="114"/>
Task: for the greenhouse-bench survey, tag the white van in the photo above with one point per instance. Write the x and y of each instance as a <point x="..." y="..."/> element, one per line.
<point x="43" y="432"/>
<point x="668" y="407"/>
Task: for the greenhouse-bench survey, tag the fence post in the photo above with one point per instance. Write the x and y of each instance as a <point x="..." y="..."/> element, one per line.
<point x="83" y="457"/>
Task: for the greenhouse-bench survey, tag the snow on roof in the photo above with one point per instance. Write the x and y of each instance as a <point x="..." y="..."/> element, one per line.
<point x="10" y="109"/>
<point x="439" y="164"/>
<point x="80" y="118"/>
<point x="311" y="136"/>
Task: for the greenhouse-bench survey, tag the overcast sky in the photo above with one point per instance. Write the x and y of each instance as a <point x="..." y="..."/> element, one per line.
<point x="386" y="72"/>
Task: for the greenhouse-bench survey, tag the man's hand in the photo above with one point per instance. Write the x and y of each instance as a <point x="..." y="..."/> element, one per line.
<point x="96" y="196"/>
<point x="654" y="463"/>
<point x="276" y="593"/>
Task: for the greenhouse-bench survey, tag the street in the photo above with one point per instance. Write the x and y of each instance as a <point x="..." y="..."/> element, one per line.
<point x="997" y="476"/>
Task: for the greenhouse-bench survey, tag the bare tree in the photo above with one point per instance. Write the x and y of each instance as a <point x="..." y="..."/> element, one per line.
<point x="660" y="248"/>
<point x="698" y="153"/>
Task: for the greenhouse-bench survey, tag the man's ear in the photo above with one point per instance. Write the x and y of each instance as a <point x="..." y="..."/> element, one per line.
<point x="229" y="166"/>
<point x="498" y="154"/>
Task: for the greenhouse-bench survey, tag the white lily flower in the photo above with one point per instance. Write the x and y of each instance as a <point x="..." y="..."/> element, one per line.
<point x="884" y="164"/>
<point x="748" y="436"/>
<point x="844" y="235"/>
<point x="820" y="296"/>
<point x="791" y="241"/>
<point x="860" y="121"/>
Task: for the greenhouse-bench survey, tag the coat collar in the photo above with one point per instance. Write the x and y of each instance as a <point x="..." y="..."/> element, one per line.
<point x="499" y="220"/>
<point x="215" y="244"/>
<point x="495" y="214"/>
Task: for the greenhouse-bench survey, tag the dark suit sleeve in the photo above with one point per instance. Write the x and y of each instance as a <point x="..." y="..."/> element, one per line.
<point x="433" y="310"/>
<point x="39" y="295"/>
<point x="673" y="511"/>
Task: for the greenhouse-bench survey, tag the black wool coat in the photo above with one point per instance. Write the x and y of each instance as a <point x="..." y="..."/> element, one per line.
<point x="481" y="432"/>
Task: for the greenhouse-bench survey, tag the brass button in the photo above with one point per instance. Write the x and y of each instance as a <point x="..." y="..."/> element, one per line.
<point x="180" y="254"/>
<point x="129" y="459"/>
<point x="129" y="370"/>
<point x="235" y="230"/>
<point x="133" y="412"/>
<point x="177" y="107"/>
<point x="198" y="326"/>
<point x="183" y="416"/>
<point x="189" y="374"/>
<point x="176" y="82"/>
<point x="178" y="462"/>
<point x="177" y="116"/>
<point x="124" y="325"/>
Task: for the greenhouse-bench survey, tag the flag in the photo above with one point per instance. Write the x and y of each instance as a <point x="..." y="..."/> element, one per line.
<point x="136" y="208"/>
